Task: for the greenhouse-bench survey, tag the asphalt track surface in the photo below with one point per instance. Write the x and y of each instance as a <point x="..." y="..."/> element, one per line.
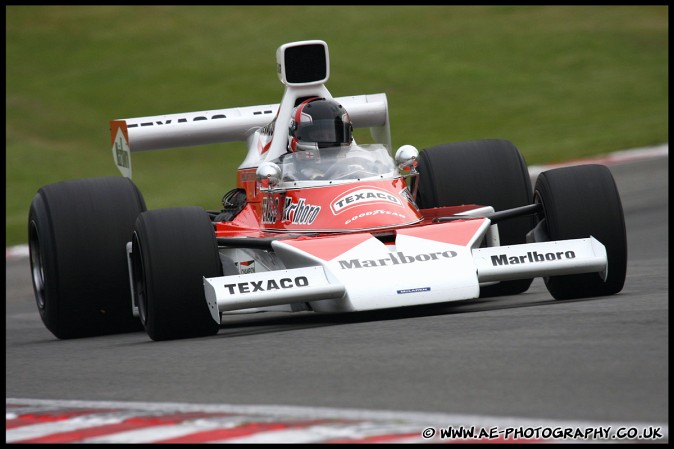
<point x="601" y="359"/>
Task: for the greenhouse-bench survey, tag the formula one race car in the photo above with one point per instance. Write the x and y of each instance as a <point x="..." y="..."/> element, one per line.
<point x="317" y="222"/>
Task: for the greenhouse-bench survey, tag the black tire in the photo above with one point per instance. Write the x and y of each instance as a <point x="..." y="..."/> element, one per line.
<point x="77" y="235"/>
<point x="579" y="202"/>
<point x="172" y="249"/>
<point x="488" y="172"/>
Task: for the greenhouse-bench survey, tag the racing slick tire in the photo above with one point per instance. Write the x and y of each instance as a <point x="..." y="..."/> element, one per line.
<point x="579" y="202"/>
<point x="77" y="235"/>
<point x="172" y="249"/>
<point x="488" y="172"/>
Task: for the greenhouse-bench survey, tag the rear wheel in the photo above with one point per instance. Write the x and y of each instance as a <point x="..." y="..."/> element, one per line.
<point x="172" y="249"/>
<point x="579" y="202"/>
<point x="77" y="235"/>
<point x="488" y="172"/>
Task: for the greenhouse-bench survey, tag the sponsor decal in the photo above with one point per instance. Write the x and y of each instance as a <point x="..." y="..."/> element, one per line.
<point x="196" y="118"/>
<point x="300" y="213"/>
<point x="191" y="118"/>
<point x="395" y="259"/>
<point x="374" y="212"/>
<point x="246" y="267"/>
<point x="266" y="286"/>
<point x="269" y="209"/>
<point x="121" y="153"/>
<point x="360" y="196"/>
<point x="414" y="290"/>
<point x="531" y="257"/>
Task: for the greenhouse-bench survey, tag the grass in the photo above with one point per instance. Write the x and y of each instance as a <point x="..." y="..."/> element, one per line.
<point x="561" y="82"/>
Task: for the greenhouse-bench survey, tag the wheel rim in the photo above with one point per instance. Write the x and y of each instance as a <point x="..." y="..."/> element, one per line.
<point x="36" y="265"/>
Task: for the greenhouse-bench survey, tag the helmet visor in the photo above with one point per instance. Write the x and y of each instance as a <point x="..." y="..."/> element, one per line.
<point x="326" y="131"/>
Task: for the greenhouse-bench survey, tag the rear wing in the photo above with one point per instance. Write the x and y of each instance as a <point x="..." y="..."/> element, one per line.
<point x="231" y="125"/>
<point x="303" y="67"/>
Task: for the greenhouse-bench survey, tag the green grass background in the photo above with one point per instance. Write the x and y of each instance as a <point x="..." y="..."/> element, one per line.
<point x="561" y="82"/>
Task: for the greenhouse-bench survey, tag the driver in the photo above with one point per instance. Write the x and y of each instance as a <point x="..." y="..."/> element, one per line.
<point x="319" y="135"/>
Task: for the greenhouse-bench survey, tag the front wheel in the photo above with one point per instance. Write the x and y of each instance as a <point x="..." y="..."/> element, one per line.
<point x="172" y="249"/>
<point x="579" y="202"/>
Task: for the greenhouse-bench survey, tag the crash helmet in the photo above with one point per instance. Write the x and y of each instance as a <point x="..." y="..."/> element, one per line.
<point x="318" y="123"/>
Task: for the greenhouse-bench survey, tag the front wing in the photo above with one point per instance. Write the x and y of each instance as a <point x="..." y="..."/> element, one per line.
<point x="429" y="265"/>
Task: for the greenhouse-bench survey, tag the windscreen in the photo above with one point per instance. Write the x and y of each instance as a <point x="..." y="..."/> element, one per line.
<point x="338" y="163"/>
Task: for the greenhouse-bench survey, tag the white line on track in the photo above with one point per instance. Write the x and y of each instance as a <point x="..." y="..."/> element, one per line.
<point x="617" y="157"/>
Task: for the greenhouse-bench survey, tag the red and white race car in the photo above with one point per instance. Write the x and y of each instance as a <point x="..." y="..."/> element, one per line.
<point x="318" y="222"/>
